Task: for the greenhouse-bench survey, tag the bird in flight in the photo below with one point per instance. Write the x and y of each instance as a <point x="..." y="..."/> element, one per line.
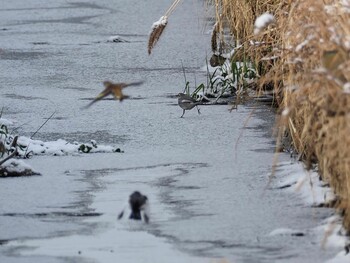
<point x="116" y="89"/>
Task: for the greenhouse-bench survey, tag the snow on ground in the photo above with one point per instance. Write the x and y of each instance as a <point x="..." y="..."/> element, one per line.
<point x="58" y="147"/>
<point x="116" y="39"/>
<point x="314" y="192"/>
<point x="62" y="147"/>
<point x="27" y="147"/>
<point x="18" y="167"/>
<point x="5" y="122"/>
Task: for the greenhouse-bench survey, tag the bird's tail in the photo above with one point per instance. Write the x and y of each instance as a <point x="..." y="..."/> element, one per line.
<point x="97" y="98"/>
<point x="135" y="215"/>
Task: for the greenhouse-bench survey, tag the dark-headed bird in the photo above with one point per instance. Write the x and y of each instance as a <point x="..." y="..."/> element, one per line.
<point x="137" y="202"/>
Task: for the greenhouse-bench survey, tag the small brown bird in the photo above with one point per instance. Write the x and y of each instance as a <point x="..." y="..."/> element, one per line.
<point x="115" y="89"/>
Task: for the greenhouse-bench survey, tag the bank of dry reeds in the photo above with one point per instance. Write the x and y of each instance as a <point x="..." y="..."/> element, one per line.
<point x="305" y="54"/>
<point x="315" y="72"/>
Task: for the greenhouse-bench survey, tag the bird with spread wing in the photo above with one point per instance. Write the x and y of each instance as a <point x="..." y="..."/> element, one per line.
<point x="115" y="89"/>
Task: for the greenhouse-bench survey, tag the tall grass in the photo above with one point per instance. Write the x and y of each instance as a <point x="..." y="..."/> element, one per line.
<point x="315" y="70"/>
<point x="306" y="56"/>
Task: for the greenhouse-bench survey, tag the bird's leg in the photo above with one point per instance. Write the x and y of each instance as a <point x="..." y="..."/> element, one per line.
<point x="121" y="214"/>
<point x="183" y="113"/>
<point x="145" y="209"/>
<point x="199" y="111"/>
<point x="146" y="217"/>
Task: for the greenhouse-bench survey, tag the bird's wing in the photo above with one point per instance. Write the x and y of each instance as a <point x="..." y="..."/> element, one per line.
<point x="136" y="83"/>
<point x="187" y="98"/>
<point x="188" y="101"/>
<point x="100" y="96"/>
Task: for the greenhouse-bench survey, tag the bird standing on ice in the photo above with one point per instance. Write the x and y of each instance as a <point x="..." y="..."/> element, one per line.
<point x="187" y="103"/>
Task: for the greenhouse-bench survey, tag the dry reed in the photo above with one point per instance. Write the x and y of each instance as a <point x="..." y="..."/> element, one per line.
<point x="159" y="26"/>
<point x="306" y="55"/>
<point x="314" y="68"/>
<point x="214" y="37"/>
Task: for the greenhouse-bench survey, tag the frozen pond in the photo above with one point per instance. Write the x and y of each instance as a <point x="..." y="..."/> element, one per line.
<point x="209" y="199"/>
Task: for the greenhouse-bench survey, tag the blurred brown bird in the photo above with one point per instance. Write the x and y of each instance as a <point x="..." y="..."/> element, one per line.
<point x="115" y="89"/>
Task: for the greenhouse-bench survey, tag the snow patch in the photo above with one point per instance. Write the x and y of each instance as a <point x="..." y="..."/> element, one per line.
<point x="61" y="147"/>
<point x="163" y="20"/>
<point x="5" y="122"/>
<point x="346" y="88"/>
<point x="314" y="192"/>
<point x="15" y="167"/>
<point x="116" y="39"/>
<point x="263" y="21"/>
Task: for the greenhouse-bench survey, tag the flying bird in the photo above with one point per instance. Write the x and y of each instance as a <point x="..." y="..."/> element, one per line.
<point x="115" y="89"/>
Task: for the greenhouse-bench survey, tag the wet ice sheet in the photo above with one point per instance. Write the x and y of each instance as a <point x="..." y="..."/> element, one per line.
<point x="191" y="211"/>
<point x="113" y="240"/>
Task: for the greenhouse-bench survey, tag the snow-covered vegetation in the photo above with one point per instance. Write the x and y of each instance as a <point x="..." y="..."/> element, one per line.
<point x="14" y="147"/>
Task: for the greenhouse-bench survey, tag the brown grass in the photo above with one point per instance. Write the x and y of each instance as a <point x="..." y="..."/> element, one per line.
<point x="316" y="65"/>
<point x="214" y="37"/>
<point x="155" y="34"/>
<point x="311" y="40"/>
<point x="159" y="26"/>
